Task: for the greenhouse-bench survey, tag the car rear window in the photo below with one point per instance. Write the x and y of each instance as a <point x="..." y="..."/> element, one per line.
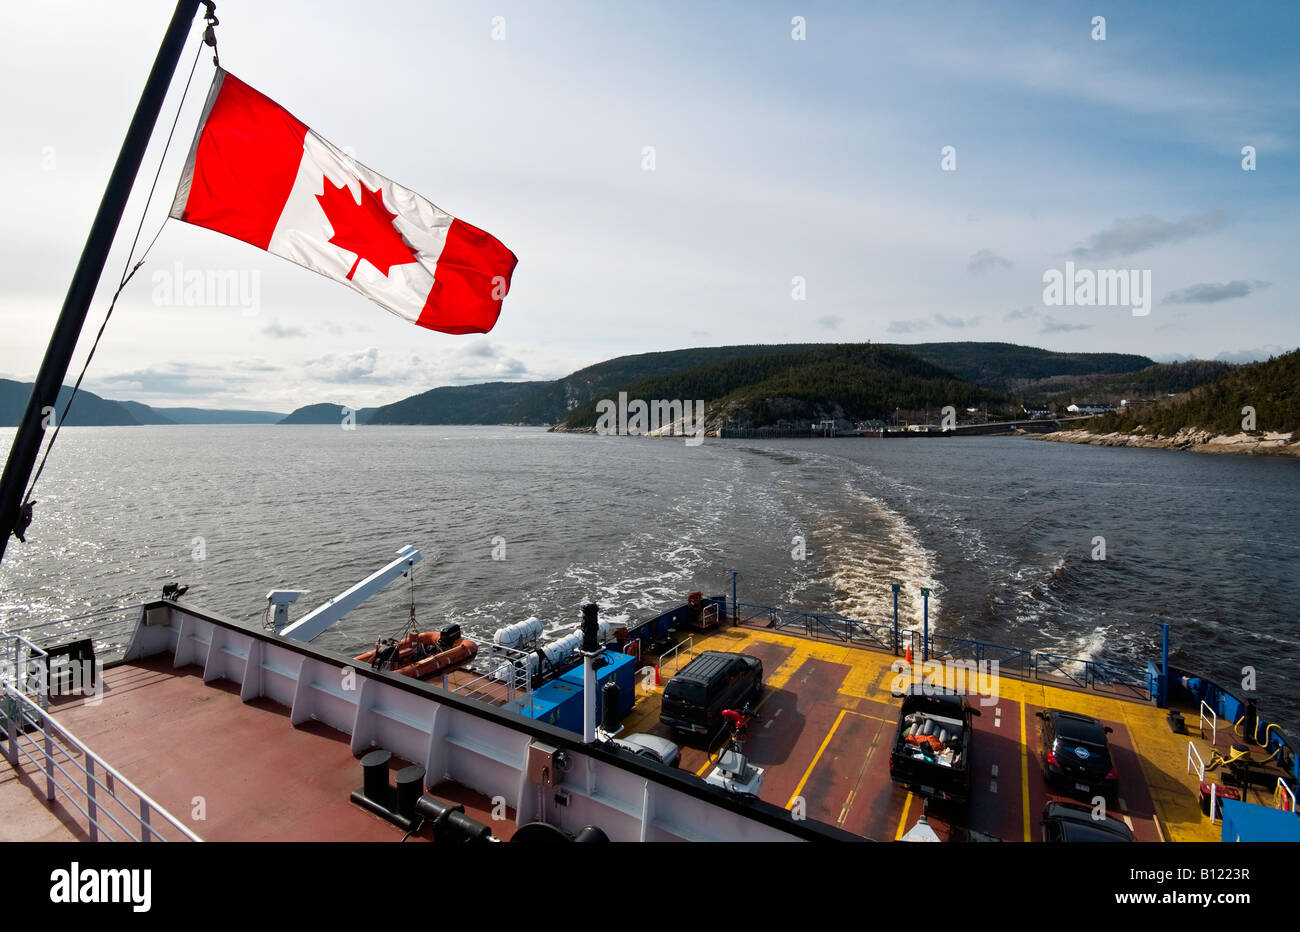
<point x="1077" y="732"/>
<point x="1076" y="832"/>
<point x="686" y="691"/>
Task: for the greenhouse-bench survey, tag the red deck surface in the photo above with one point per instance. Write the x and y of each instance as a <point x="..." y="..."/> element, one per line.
<point x="191" y="745"/>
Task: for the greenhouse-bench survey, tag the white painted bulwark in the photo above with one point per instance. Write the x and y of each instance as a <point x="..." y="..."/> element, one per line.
<point x="481" y="752"/>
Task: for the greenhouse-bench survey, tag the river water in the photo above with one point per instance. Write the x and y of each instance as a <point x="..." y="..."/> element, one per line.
<point x="1008" y="532"/>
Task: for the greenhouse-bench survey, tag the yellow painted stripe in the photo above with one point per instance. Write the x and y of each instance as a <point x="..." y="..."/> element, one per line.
<point x="1024" y="770"/>
<point x="816" y="757"/>
<point x="887" y="721"/>
<point x="902" y="819"/>
<point x="707" y="764"/>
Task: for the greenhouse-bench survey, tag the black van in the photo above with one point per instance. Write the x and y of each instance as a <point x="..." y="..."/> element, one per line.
<point x="694" y="699"/>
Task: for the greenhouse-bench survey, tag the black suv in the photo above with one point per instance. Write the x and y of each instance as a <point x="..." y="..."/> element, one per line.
<point x="1076" y="754"/>
<point x="1071" y="822"/>
<point x="695" y="698"/>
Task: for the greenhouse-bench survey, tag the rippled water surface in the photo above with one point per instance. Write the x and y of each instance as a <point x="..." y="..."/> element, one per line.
<point x="1003" y="529"/>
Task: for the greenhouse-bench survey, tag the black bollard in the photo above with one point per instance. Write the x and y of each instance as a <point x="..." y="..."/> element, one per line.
<point x="374" y="783"/>
<point x="410" y="787"/>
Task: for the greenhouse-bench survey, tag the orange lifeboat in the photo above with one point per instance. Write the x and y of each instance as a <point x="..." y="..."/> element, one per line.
<point x="421" y="655"/>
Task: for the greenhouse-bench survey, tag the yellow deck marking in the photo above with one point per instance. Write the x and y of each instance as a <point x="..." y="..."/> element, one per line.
<point x="1024" y="771"/>
<point x="902" y="819"/>
<point x="877" y="718"/>
<point x="1161" y="754"/>
<point x="816" y="757"/>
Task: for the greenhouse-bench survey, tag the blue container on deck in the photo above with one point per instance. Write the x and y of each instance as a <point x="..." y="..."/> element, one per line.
<point x="620" y="667"/>
<point x="564" y="701"/>
<point x="539" y="707"/>
<point x="1249" y="822"/>
<point x="559" y="702"/>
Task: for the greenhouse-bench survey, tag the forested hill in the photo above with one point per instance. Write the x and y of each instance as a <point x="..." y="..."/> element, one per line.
<point x="1010" y="367"/>
<point x="856" y="381"/>
<point x="487" y="403"/>
<point x="1271" y="388"/>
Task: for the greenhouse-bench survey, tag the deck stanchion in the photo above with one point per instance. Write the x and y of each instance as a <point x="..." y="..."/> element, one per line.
<point x="735" y="609"/>
<point x="925" y="624"/>
<point x="93" y="809"/>
<point x="895" y="587"/>
<point x="1162" y="684"/>
<point x="49" y="759"/>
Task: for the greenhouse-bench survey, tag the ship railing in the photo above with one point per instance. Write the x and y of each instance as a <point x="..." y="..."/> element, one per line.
<point x="1011" y="661"/>
<point x="108" y="629"/>
<point x="1194" y="762"/>
<point x="674" y="655"/>
<point x="502" y="666"/>
<point x="32" y="733"/>
<point x="820" y="626"/>
<point x="1094" y="675"/>
<point x="1284" y="796"/>
<point x="1208" y="714"/>
<point x="27" y="667"/>
<point x="1197" y="766"/>
<point x="1119" y="679"/>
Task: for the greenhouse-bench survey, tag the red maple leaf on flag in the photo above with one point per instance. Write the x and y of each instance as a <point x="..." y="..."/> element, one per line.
<point x="366" y="228"/>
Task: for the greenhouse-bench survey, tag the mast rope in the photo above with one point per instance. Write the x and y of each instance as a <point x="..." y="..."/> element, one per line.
<point x="128" y="270"/>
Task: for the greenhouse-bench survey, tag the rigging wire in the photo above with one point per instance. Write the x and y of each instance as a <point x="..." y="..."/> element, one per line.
<point x="128" y="270"/>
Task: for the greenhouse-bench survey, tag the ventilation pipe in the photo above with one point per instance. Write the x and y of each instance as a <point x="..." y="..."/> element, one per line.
<point x="590" y="651"/>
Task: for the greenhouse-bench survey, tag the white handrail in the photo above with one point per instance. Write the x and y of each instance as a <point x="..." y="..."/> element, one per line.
<point x="1282" y="794"/>
<point x="20" y="676"/>
<point x="675" y="653"/>
<point x="46" y="724"/>
<point x="97" y="612"/>
<point x="1214" y="723"/>
<point x="1192" y="753"/>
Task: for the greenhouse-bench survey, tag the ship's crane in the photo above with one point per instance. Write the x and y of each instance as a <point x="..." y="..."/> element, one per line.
<point x="309" y="626"/>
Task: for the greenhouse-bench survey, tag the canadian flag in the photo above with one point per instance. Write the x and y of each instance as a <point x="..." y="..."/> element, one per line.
<point x="257" y="173"/>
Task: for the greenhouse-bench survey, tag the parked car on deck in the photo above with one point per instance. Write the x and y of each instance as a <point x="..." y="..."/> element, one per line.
<point x="1076" y="755"/>
<point x="715" y="680"/>
<point x="1072" y="822"/>
<point x="652" y="747"/>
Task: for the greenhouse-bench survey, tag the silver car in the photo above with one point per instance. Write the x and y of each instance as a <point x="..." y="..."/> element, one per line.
<point x="651" y="746"/>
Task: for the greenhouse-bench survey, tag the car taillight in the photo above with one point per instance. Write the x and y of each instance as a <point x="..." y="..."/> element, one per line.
<point x="1051" y="758"/>
<point x="1111" y="774"/>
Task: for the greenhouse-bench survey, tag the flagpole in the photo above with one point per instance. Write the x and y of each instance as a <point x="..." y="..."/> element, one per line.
<point x="63" y="341"/>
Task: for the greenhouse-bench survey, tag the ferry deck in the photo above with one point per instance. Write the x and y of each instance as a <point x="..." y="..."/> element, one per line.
<point x="823" y="735"/>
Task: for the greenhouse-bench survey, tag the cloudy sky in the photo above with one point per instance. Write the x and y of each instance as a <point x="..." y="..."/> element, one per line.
<point x="774" y="159"/>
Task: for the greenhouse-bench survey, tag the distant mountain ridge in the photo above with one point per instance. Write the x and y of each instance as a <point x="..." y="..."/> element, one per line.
<point x="90" y="410"/>
<point x="794" y="379"/>
<point x="327" y="413"/>
<point x="854" y="381"/>
<point x="998" y="367"/>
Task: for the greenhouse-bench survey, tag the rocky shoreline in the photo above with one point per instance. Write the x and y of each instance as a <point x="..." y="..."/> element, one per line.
<point x="1189" y="438"/>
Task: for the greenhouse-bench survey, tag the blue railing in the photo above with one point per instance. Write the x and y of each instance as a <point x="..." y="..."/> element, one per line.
<point x="1095" y="675"/>
<point x="822" y="626"/>
<point x="1013" y="661"/>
